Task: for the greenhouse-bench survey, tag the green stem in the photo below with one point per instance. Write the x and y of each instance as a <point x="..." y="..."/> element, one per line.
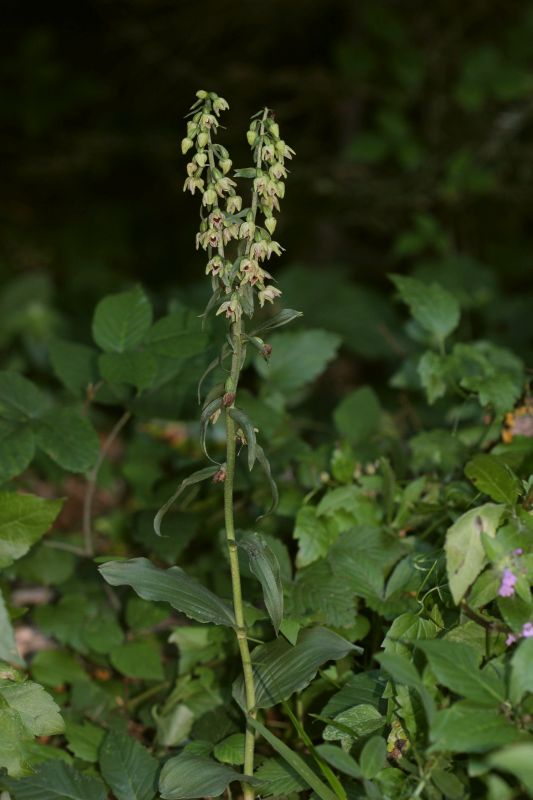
<point x="238" y="606"/>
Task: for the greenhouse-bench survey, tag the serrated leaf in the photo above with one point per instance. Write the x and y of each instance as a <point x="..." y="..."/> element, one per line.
<point x="121" y="321"/>
<point x="55" y="780"/>
<point x="8" y="645"/>
<point x="172" y="586"/>
<point x="20" y="399"/>
<point x="265" y="566"/>
<point x="465" y="728"/>
<point x="277" y="778"/>
<point x="17" y="445"/>
<point x="178" y="335"/>
<point x="38" y="712"/>
<point x="314" y="536"/>
<point x="74" y="364"/>
<point x="354" y="723"/>
<point x="196" y="477"/>
<point x="84" y="739"/>
<point x="137" y="368"/>
<point x="493" y="477"/>
<point x="465" y="555"/>
<point x="187" y="776"/>
<point x="246" y="425"/>
<point x="24" y="519"/>
<point x="281" y="669"/>
<point x="456" y="666"/>
<point x="433" y="307"/>
<point x="128" y="768"/>
<point x="68" y="438"/>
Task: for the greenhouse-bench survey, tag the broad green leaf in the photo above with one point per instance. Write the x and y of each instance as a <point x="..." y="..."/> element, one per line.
<point x="294" y="761"/>
<point x="17" y="445"/>
<point x="433" y="307"/>
<point x="516" y="759"/>
<point x="265" y="566"/>
<point x="178" y="335"/>
<point x="281" y="669"/>
<point x="465" y="555"/>
<point x="20" y="399"/>
<point x="55" y="780"/>
<point x="361" y="688"/>
<point x="84" y="739"/>
<point x="466" y="728"/>
<point x="297" y="359"/>
<point x="400" y="668"/>
<point x="319" y="593"/>
<point x="141" y="660"/>
<point x="189" y="776"/>
<point x="74" y="364"/>
<point x="339" y="759"/>
<point x="314" y="536"/>
<point x="172" y="586"/>
<point x="55" y="667"/>
<point x="277" y="778"/>
<point x="121" y="321"/>
<point x="433" y="370"/>
<point x="521" y="671"/>
<point x="358" y="415"/>
<point x="135" y="367"/>
<point x="493" y="477"/>
<point x="14" y="741"/>
<point x="24" y="518"/>
<point x="128" y="768"/>
<point x="456" y="666"/>
<point x="196" y="477"/>
<point x="231" y="749"/>
<point x="8" y="646"/>
<point x="373" y="757"/>
<point x="354" y="723"/>
<point x="38" y="712"/>
<point x="69" y="439"/>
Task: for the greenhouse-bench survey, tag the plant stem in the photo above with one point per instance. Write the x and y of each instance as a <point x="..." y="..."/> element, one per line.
<point x="238" y="607"/>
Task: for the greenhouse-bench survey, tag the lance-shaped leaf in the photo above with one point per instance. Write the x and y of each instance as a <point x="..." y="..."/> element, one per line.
<point x="216" y="362"/>
<point x="265" y="464"/>
<point x="265" y="566"/>
<point x="172" y="586"/>
<point x="208" y="411"/>
<point x="281" y="668"/>
<point x="243" y="421"/>
<point x="196" y="477"/>
<point x="283" y="318"/>
<point x="188" y="776"/>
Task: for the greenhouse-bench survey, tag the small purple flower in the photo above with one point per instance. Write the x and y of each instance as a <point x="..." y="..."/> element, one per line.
<point x="527" y="630"/>
<point x="508" y="583"/>
<point x="511" y="639"/>
<point x="518" y="551"/>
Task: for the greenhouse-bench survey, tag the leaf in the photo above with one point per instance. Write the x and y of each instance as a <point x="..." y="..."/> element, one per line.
<point x="178" y="335"/>
<point x="121" y="321"/>
<point x="207" y="412"/>
<point x="55" y="667"/>
<point x="339" y="760"/>
<point x="318" y="592"/>
<point x="170" y="586"/>
<point x="17" y="445"/>
<point x="465" y="728"/>
<point x="84" y="739"/>
<point x="521" y="671"/>
<point x="69" y="439"/>
<point x="137" y="368"/>
<point x="516" y="759"/>
<point x="74" y="364"/>
<point x="231" y="749"/>
<point x="8" y="646"/>
<point x="24" y="518"/>
<point x="433" y="370"/>
<point x="196" y="477"/>
<point x="433" y="307"/>
<point x="465" y="555"/>
<point x="141" y="660"/>
<point x="285" y="316"/>
<point x="128" y="768"/>
<point x="314" y="536"/>
<point x="294" y="761"/>
<point x="455" y="665"/>
<point x="358" y="415"/>
<point x="493" y="477"/>
<point x="361" y="688"/>
<point x="265" y="566"/>
<point x="265" y="464"/>
<point x="297" y="359"/>
<point x="373" y="757"/>
<point x="56" y="780"/>
<point x="354" y="723"/>
<point x="281" y="669"/>
<point x="277" y="778"/>
<point x="20" y="399"/>
<point x="14" y="743"/>
<point x="245" y="424"/>
<point x="38" y="712"/>
<point x="189" y="776"/>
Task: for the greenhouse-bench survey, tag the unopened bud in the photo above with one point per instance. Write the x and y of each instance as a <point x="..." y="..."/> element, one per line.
<point x="274" y="130"/>
<point x="203" y="139"/>
<point x="186" y="145"/>
<point x="225" y="165"/>
<point x="266" y="351"/>
<point x="201" y="159"/>
<point x="251" y="137"/>
<point x="270" y="224"/>
<point x="228" y="399"/>
<point x="220" y="476"/>
<point x="201" y="94"/>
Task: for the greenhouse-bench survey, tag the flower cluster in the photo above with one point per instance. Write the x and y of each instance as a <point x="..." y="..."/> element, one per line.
<point x="509" y="579"/>
<point x="525" y="633"/>
<point x="238" y="280"/>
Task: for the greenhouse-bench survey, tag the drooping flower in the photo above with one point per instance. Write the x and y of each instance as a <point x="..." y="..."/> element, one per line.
<point x="508" y="583"/>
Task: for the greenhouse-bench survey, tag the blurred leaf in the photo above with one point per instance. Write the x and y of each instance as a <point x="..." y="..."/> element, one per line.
<point x="231" y="750"/>
<point x="433" y="307"/>
<point x="141" y="659"/>
<point x="136" y="368"/>
<point x="465" y="728"/>
<point x="373" y="757"/>
<point x="297" y="359"/>
<point x="493" y="477"/>
<point x="20" y="399"/>
<point x="188" y="776"/>
<point x="84" y="739"/>
<point x="17" y="444"/>
<point x="178" y="335"/>
<point x="128" y="768"/>
<point x="456" y="666"/>
<point x="24" y="519"/>
<point x="69" y="439"/>
<point x="121" y="321"/>
<point x="74" y="364"/>
<point x="516" y="759"/>
<point x="358" y="415"/>
<point x="8" y="646"/>
<point x="55" y="780"/>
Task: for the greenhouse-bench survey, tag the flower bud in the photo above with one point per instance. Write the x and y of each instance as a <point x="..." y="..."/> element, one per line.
<point x="270" y="224"/>
<point x="266" y="352"/>
<point x="220" y="475"/>
<point x="186" y="145"/>
<point x="228" y="399"/>
<point x="274" y="130"/>
<point x="191" y="168"/>
<point x="201" y="159"/>
<point x="251" y="137"/>
<point x="225" y="165"/>
<point x="201" y="94"/>
<point x="203" y="139"/>
<point x="209" y="197"/>
<point x="233" y="204"/>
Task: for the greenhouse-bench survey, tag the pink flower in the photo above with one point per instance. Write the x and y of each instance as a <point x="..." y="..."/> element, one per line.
<point x="511" y="639"/>
<point x="527" y="630"/>
<point x="508" y="583"/>
<point x="518" y="551"/>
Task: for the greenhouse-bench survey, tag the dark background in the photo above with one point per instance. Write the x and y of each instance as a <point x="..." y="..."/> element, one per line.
<point x="412" y="123"/>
